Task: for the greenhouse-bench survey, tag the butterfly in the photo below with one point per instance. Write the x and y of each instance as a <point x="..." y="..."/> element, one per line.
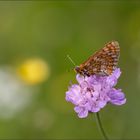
<point x="102" y="62"/>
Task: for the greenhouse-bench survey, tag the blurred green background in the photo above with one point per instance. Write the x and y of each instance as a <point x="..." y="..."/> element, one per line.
<point x="32" y="100"/>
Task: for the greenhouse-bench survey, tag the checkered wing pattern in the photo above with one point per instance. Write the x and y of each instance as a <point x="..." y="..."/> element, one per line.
<point x="102" y="62"/>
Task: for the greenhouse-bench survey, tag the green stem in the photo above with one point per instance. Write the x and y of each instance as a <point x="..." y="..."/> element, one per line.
<point x="98" y="120"/>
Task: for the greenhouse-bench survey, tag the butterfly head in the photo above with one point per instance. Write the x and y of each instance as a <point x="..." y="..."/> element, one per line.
<point x="81" y="71"/>
<point x="77" y="69"/>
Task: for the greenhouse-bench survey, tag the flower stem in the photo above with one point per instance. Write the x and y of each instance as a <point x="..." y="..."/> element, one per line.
<point x="98" y="120"/>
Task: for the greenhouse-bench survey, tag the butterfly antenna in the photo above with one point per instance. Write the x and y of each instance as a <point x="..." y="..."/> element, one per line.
<point x="71" y="60"/>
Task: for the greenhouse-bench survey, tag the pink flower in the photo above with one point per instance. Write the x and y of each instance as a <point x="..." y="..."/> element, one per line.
<point x="93" y="93"/>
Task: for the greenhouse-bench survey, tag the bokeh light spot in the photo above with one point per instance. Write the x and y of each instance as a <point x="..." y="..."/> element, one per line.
<point x="14" y="96"/>
<point x="33" y="71"/>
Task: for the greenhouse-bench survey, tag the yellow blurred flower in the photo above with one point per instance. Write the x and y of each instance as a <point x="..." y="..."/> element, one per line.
<point x="33" y="71"/>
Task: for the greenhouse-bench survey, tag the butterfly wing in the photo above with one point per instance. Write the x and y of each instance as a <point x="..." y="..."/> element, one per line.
<point x="102" y="62"/>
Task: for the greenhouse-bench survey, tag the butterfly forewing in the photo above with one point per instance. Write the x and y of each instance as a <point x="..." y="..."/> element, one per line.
<point x="102" y="62"/>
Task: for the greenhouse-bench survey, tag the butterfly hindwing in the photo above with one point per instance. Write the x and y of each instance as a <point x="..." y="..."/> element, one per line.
<point x="102" y="62"/>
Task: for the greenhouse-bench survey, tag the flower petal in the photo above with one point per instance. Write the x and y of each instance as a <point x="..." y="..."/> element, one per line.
<point x="80" y="78"/>
<point x="82" y="112"/>
<point x="112" y="79"/>
<point x="117" y="73"/>
<point x="92" y="93"/>
<point x="73" y="94"/>
<point x="117" y="97"/>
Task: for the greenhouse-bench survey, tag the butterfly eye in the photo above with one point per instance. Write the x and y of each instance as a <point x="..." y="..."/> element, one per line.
<point x="77" y="69"/>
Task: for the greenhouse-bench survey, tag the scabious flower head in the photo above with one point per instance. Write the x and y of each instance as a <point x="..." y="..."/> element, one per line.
<point x="92" y="93"/>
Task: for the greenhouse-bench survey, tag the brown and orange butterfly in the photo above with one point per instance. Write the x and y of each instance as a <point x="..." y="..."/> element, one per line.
<point x="103" y="62"/>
